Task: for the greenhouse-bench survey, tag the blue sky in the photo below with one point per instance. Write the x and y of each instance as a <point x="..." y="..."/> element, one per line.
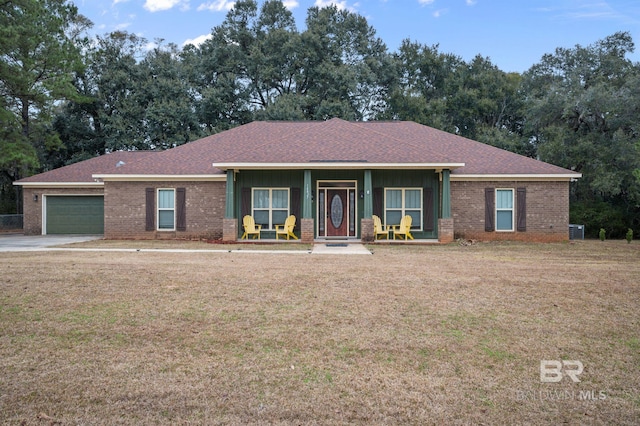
<point x="513" y="33"/>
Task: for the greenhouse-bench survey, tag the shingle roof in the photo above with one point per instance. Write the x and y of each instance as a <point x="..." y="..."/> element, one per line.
<point x="305" y="144"/>
<point x="83" y="171"/>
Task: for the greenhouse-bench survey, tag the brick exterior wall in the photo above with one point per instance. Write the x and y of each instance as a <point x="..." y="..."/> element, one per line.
<point x="230" y="229"/>
<point x="445" y="230"/>
<point x="547" y="211"/>
<point x="125" y="210"/>
<point x="307" y="232"/>
<point x="366" y="230"/>
<point x="33" y="209"/>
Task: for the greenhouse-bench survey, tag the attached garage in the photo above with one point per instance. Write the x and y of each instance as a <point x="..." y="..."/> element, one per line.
<point x="65" y="214"/>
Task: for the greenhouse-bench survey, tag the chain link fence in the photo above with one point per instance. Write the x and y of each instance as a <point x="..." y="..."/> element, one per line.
<point x="11" y="222"/>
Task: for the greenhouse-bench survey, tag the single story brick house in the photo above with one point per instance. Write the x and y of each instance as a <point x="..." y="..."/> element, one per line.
<point x="332" y="175"/>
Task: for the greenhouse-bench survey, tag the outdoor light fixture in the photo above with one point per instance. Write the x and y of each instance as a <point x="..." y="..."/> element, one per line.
<point x="362" y="193"/>
<point x="35" y="197"/>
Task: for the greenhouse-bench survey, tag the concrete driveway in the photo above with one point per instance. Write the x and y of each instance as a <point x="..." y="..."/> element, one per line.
<point x="20" y="242"/>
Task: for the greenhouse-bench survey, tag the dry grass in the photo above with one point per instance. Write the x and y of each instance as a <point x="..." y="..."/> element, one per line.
<point x="410" y="335"/>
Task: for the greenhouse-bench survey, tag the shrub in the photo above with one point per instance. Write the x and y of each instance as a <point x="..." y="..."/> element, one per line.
<point x="602" y="234"/>
<point x="629" y="235"/>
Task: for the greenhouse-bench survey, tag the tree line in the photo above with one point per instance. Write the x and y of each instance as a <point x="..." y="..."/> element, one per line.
<point x="67" y="96"/>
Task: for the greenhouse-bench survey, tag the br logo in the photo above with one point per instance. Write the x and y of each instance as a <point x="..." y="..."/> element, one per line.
<point x="552" y="371"/>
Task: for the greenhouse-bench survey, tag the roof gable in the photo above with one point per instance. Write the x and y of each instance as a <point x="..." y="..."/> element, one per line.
<point x="83" y="171"/>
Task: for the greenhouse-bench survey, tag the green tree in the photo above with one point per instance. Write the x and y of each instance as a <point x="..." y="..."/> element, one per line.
<point x="346" y="69"/>
<point x="421" y="85"/>
<point x="582" y="114"/>
<point x="137" y="99"/>
<point x="39" y="54"/>
<point x="169" y="117"/>
<point x="107" y="118"/>
<point x="257" y="64"/>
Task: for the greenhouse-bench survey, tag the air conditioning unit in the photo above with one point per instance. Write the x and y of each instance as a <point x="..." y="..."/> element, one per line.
<point x="576" y="232"/>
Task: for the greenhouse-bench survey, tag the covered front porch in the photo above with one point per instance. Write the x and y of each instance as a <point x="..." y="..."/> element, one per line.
<point x="337" y="203"/>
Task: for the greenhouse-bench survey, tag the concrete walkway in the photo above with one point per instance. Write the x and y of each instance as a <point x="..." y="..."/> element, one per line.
<point x="19" y="242"/>
<point x="339" y="248"/>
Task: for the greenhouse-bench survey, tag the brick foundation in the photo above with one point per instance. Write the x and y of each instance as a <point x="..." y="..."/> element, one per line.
<point x="229" y="229"/>
<point x="307" y="230"/>
<point x="445" y="230"/>
<point x="366" y="230"/>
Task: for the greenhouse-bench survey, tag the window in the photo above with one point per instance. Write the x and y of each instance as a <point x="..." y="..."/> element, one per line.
<point x="504" y="209"/>
<point x="270" y="206"/>
<point x="166" y="209"/>
<point x="400" y="202"/>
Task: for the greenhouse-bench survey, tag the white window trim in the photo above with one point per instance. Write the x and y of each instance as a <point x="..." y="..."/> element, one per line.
<point x="159" y="209"/>
<point x="403" y="209"/>
<point x="512" y="209"/>
<point x="270" y="209"/>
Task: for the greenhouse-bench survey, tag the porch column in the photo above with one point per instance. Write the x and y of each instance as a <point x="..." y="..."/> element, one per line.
<point x="446" y="194"/>
<point x="306" y="222"/>
<point x="368" y="195"/>
<point x="445" y="223"/>
<point x="228" y="211"/>
<point x="366" y="223"/>
<point x="307" y="210"/>
<point x="229" y="223"/>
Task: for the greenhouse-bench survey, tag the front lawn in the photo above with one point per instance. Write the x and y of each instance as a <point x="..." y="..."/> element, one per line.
<point x="411" y="335"/>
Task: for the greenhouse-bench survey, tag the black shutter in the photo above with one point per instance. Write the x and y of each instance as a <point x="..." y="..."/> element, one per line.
<point x="489" y="210"/>
<point x="181" y="207"/>
<point x="295" y="206"/>
<point x="245" y="202"/>
<point x="428" y="209"/>
<point x="150" y="201"/>
<point x="378" y="202"/>
<point x="522" y="209"/>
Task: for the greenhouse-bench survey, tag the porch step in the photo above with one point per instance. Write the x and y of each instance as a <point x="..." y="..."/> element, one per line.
<point x="339" y="248"/>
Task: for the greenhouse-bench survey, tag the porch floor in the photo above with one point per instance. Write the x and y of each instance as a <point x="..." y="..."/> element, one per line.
<point x="415" y="241"/>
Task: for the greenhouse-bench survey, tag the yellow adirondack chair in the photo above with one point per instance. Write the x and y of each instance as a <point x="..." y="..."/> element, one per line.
<point x="286" y="230"/>
<point x="404" y="229"/>
<point x="378" y="229"/>
<point x="250" y="228"/>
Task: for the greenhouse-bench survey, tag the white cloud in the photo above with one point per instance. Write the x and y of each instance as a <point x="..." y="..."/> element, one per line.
<point x="217" y="5"/>
<point x="471" y="2"/>
<point x="198" y="40"/>
<point x="159" y="5"/>
<point x="426" y="2"/>
<point x="595" y="10"/>
<point x="123" y="26"/>
<point x="341" y="5"/>
<point x="290" y="4"/>
<point x="438" y="13"/>
<point x="150" y="46"/>
<point x="118" y="1"/>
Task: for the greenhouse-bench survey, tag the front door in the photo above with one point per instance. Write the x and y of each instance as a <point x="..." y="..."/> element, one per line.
<point x="336" y="213"/>
<point x="337" y="209"/>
